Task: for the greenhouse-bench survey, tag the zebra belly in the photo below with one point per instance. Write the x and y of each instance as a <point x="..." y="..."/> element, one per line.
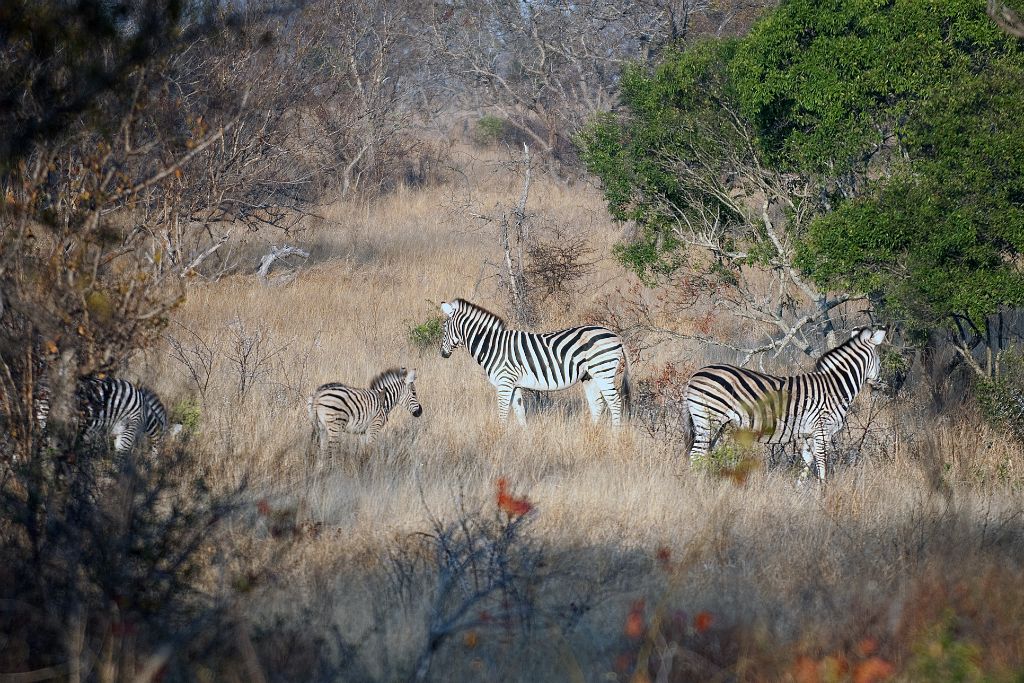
<point x="529" y="381"/>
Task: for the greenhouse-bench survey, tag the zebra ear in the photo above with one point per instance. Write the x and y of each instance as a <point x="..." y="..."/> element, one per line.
<point x="447" y="308"/>
<point x="877" y="337"/>
<point x="410" y="377"/>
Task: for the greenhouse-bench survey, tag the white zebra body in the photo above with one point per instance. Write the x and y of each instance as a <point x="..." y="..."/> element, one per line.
<point x="336" y="408"/>
<point x="549" y="361"/>
<point x="811" y="407"/>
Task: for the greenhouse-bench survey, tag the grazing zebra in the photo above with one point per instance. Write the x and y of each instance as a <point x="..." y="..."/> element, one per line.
<point x="119" y="409"/>
<point x="811" y="406"/>
<point x="516" y="359"/>
<point x="335" y="408"/>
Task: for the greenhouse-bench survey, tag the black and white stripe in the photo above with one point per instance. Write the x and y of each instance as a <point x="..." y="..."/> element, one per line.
<point x="811" y="406"/>
<point x="516" y="359"/>
<point x="118" y="409"/>
<point x="335" y="408"/>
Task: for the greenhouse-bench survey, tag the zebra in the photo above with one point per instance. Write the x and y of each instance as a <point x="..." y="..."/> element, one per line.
<point x="119" y="409"/>
<point x="811" y="406"/>
<point x="334" y="408"/>
<point x="516" y="359"/>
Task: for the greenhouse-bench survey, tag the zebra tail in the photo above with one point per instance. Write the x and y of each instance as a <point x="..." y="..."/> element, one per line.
<point x="314" y="435"/>
<point x="626" y="390"/>
<point x="688" y="425"/>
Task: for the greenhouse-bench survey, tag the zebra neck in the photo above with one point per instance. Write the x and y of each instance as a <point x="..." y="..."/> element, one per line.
<point x="388" y="398"/>
<point x="481" y="342"/>
<point x="848" y="381"/>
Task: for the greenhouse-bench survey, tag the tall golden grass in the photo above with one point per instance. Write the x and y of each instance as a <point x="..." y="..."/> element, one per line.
<point x="912" y="552"/>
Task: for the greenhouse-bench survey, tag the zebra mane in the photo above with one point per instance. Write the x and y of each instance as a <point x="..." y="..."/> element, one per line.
<point x="387" y="379"/>
<point x="495" y="320"/>
<point x="821" y="363"/>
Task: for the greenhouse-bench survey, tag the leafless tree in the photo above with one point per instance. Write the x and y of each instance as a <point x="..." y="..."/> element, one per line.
<point x="548" y="67"/>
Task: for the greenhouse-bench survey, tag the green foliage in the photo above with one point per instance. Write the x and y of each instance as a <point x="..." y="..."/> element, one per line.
<point x="489" y="130"/>
<point x="1001" y="399"/>
<point x="941" y="656"/>
<point x="678" y="124"/>
<point x="188" y="413"/>
<point x="734" y="458"/>
<point x="427" y="335"/>
<point x="904" y="120"/>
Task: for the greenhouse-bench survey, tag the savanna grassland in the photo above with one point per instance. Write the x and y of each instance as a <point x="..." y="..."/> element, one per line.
<point x="402" y="559"/>
<point x="232" y="203"/>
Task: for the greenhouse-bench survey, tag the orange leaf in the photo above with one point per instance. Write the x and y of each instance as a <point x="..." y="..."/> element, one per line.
<point x="470" y="639"/>
<point x="515" y="507"/>
<point x="867" y="646"/>
<point x="635" y="625"/>
<point x="873" y="670"/>
<point x="805" y="670"/>
<point x="702" y="622"/>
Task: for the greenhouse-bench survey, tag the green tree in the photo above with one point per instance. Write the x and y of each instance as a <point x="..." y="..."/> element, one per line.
<point x="892" y="135"/>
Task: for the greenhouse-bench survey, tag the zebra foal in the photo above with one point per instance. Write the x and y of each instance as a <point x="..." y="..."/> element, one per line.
<point x="811" y="406"/>
<point x="335" y="408"/>
<point x="118" y="409"/>
<point x="516" y="359"/>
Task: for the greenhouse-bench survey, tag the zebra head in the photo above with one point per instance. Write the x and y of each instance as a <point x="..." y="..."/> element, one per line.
<point x="451" y="339"/>
<point x="870" y="339"/>
<point x="397" y="387"/>
<point x="412" y="404"/>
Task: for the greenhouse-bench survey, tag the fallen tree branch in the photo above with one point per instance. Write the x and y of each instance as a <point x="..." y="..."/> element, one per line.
<point x="202" y="257"/>
<point x="268" y="260"/>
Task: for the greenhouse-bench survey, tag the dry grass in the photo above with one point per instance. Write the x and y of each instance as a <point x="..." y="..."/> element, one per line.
<point x="785" y="573"/>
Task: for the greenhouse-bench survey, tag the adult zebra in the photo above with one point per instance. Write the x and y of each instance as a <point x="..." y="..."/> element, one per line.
<point x="335" y="408"/>
<point x="811" y="406"/>
<point x="516" y="359"/>
<point x="119" y="409"/>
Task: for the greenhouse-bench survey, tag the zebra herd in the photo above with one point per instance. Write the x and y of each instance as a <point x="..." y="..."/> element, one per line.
<point x="809" y="407"/>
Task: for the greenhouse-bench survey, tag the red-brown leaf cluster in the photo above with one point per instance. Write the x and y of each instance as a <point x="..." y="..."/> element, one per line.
<point x="514" y="507"/>
<point x="702" y="621"/>
<point x="636" y="625"/>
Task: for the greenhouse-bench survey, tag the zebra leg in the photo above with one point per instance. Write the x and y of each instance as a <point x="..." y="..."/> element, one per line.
<point x="124" y="436"/>
<point x="594" y="400"/>
<point x="805" y="453"/>
<point x="614" y="401"/>
<point x="820" y="447"/>
<point x="373" y="430"/>
<point x="703" y="433"/>
<point x="518" y="407"/>
<point x="504" y="401"/>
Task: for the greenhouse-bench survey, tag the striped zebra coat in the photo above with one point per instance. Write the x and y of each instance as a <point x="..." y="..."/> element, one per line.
<point x="118" y="409"/>
<point x="516" y="359"/>
<point x="811" y="407"/>
<point x="335" y="408"/>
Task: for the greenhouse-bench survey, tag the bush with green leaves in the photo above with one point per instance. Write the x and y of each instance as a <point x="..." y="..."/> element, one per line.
<point x="426" y="335"/>
<point x="188" y="413"/>
<point x="1001" y="398"/>
<point x="489" y="129"/>
<point x="899" y="125"/>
